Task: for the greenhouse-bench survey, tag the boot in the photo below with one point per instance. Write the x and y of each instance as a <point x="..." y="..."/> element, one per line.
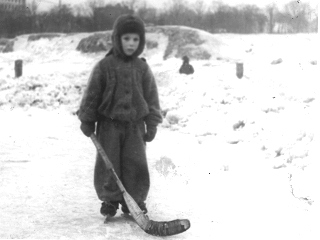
<point x="109" y="209"/>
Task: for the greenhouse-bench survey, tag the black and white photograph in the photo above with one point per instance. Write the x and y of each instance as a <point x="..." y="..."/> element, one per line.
<point x="168" y="119"/>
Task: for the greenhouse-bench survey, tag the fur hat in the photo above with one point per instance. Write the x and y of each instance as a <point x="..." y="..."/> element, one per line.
<point x="127" y="23"/>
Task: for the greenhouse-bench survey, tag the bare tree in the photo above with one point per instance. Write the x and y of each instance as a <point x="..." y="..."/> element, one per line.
<point x="93" y="9"/>
<point x="148" y="14"/>
<point x="298" y="13"/>
<point x="33" y="7"/>
<point x="93" y="4"/>
<point x="175" y="11"/>
<point x="313" y="20"/>
<point x="33" y="10"/>
<point x="200" y="9"/>
<point x="215" y="5"/>
<point x="81" y="10"/>
<point x="132" y="4"/>
<point x="271" y="10"/>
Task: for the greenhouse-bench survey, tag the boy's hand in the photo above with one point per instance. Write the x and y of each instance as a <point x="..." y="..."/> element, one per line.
<point x="87" y="128"/>
<point x="150" y="134"/>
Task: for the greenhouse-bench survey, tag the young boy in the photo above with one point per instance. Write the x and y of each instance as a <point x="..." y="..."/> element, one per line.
<point x="122" y="98"/>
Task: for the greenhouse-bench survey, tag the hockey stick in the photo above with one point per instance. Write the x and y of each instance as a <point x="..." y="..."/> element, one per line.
<point x="151" y="227"/>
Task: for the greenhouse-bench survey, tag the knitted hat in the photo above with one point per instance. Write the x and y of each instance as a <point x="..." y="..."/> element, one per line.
<point x="127" y="24"/>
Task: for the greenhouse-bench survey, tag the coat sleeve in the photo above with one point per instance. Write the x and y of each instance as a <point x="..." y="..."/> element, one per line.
<point x="151" y="96"/>
<point x="88" y="110"/>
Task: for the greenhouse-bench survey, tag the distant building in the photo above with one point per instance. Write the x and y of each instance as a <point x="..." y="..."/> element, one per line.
<point x="11" y="5"/>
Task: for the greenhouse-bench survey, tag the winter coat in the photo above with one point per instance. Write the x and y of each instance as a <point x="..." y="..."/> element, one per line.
<point x="121" y="90"/>
<point x="186" y="67"/>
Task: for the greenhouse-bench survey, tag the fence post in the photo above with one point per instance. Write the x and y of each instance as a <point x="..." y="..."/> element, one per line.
<point x="18" y="68"/>
<point x="239" y="70"/>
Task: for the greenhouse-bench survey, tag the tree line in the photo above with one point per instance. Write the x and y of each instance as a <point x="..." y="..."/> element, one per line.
<point x="296" y="17"/>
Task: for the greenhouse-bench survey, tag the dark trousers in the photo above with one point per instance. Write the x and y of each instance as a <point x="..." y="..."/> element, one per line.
<point x="126" y="149"/>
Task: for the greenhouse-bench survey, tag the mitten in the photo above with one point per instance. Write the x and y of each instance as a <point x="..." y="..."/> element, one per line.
<point x="151" y="133"/>
<point x="87" y="128"/>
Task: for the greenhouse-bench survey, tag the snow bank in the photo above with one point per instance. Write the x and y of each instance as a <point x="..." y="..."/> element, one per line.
<point x="6" y="45"/>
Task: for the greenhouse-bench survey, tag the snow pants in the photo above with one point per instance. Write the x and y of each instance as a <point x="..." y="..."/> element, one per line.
<point x="123" y="142"/>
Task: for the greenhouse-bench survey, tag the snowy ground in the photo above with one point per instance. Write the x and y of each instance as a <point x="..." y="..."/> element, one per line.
<point x="238" y="157"/>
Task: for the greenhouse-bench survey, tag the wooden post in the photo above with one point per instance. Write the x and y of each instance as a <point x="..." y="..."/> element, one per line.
<point x="18" y="68"/>
<point x="239" y="70"/>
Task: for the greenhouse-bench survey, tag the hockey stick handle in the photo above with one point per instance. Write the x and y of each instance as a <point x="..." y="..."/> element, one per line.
<point x="106" y="160"/>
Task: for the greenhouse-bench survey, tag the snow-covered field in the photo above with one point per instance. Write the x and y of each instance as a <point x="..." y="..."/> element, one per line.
<point x="238" y="157"/>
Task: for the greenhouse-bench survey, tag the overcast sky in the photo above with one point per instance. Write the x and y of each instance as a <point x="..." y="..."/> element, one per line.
<point x="46" y="4"/>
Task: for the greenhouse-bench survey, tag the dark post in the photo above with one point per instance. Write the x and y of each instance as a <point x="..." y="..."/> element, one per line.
<point x="18" y="68"/>
<point x="239" y="70"/>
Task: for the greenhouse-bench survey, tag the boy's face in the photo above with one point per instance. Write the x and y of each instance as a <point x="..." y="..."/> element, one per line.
<point x="130" y="43"/>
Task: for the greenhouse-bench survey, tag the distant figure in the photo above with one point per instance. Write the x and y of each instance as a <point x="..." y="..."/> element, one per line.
<point x="186" y="68"/>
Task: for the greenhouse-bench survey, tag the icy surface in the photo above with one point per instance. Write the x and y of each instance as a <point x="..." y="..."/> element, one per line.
<point x="238" y="157"/>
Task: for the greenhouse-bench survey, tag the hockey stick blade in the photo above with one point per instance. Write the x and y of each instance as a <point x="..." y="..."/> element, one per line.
<point x="168" y="228"/>
<point x="151" y="227"/>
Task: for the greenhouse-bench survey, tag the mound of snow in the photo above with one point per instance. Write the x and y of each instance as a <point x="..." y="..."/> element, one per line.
<point x="95" y="43"/>
<point x="35" y="37"/>
<point x="48" y="93"/>
<point x="6" y="45"/>
<point x="182" y="41"/>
